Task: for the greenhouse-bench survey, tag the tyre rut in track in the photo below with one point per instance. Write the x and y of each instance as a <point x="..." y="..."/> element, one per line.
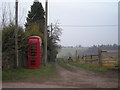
<point x="82" y="79"/>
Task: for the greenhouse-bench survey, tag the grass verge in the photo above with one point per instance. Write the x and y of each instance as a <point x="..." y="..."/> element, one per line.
<point x="94" y="68"/>
<point x="65" y="66"/>
<point x="21" y="73"/>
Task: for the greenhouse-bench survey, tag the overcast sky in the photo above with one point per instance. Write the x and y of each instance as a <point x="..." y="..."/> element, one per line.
<point x="84" y="22"/>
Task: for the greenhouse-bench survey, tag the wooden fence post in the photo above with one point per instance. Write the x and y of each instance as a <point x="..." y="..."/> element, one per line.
<point x="78" y="57"/>
<point x="85" y="58"/>
<point x="100" y="56"/>
<point x="91" y="58"/>
<point x="76" y="54"/>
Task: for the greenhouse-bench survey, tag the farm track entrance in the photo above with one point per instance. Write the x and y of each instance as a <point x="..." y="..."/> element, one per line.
<point x="79" y="79"/>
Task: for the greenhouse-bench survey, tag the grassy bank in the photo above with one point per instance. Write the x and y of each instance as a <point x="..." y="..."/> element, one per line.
<point x="43" y="72"/>
<point x="94" y="68"/>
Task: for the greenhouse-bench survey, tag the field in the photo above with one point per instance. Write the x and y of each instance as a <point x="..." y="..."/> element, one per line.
<point x="66" y="52"/>
<point x="90" y="56"/>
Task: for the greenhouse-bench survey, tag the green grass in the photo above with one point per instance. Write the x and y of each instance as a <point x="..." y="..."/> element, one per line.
<point x="94" y="68"/>
<point x="43" y="72"/>
<point x="65" y="66"/>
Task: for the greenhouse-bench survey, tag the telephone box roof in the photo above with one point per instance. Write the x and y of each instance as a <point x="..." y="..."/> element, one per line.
<point x="34" y="37"/>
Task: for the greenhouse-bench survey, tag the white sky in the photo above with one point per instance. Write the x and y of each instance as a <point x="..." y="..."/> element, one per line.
<point x="80" y="12"/>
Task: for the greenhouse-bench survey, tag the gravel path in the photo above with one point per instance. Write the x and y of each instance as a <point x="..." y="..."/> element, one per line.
<point x="79" y="79"/>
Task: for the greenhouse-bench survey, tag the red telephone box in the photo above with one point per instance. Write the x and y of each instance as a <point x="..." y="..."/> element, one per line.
<point x="34" y="52"/>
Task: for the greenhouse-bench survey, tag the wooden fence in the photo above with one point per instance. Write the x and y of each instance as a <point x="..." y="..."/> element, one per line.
<point x="100" y="59"/>
<point x="109" y="60"/>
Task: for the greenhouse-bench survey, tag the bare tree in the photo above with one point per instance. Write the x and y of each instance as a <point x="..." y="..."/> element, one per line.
<point x="4" y="14"/>
<point x="7" y="14"/>
<point x="56" y="32"/>
<point x="11" y="14"/>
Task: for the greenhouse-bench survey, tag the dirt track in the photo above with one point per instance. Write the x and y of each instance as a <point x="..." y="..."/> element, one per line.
<point x="78" y="79"/>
